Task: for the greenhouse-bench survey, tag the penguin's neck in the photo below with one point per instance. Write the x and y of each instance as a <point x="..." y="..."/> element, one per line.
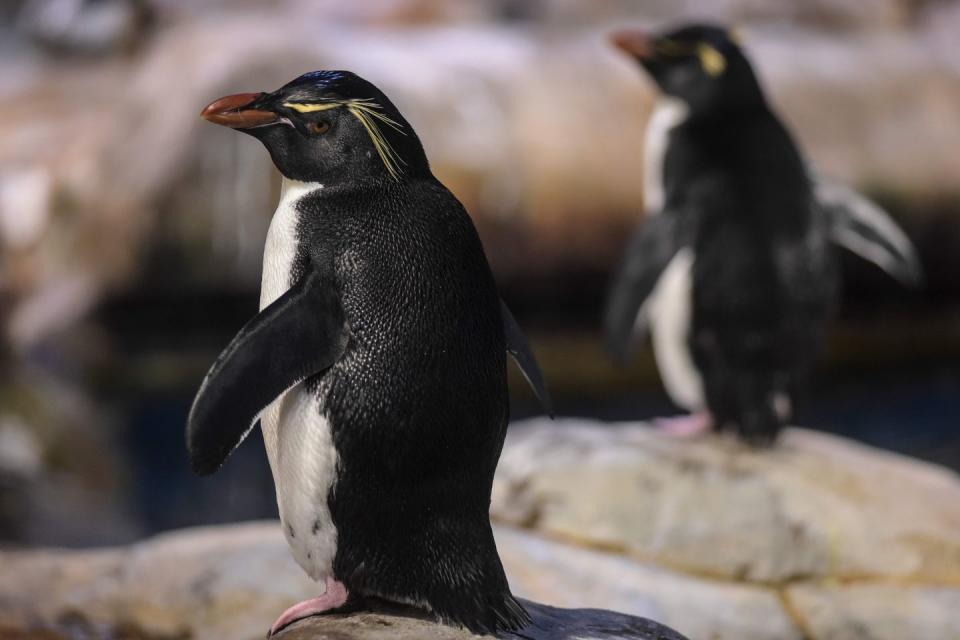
<point x="280" y="249"/>
<point x="668" y="113"/>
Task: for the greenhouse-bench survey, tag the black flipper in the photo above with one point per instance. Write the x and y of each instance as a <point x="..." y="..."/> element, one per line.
<point x="652" y="247"/>
<point x="303" y="332"/>
<point x="519" y="348"/>
<point x="861" y="226"/>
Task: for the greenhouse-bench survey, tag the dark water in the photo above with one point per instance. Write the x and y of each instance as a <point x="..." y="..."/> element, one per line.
<point x="910" y="411"/>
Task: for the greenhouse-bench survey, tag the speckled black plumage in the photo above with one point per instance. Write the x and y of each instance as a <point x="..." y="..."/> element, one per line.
<point x="418" y="402"/>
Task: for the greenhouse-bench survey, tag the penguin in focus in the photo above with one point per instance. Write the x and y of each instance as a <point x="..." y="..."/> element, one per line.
<point x="734" y="270"/>
<point x="376" y="366"/>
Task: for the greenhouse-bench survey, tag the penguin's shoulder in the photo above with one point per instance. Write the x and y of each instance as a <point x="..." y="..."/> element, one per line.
<point x="415" y="231"/>
<point x="433" y="215"/>
<point x="746" y="165"/>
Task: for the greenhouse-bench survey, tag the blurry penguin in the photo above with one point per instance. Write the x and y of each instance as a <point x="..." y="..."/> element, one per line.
<point x="734" y="271"/>
<point x="376" y="366"/>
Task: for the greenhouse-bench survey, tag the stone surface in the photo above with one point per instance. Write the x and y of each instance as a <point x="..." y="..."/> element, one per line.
<point x="817" y="539"/>
<point x="877" y="611"/>
<point x="703" y="609"/>
<point x="202" y="583"/>
<point x="371" y="626"/>
<point x="816" y="506"/>
<point x="548" y="623"/>
<point x="224" y="582"/>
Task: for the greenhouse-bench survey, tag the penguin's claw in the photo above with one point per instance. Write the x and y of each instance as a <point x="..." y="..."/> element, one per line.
<point x="334" y="598"/>
<point x="685" y="427"/>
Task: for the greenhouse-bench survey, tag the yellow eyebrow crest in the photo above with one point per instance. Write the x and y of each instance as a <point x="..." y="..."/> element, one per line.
<point x="303" y="107"/>
<point x="712" y="61"/>
<point x="370" y="114"/>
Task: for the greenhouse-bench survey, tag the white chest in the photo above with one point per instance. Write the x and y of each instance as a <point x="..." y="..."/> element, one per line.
<point x="668" y="113"/>
<point x="670" y="308"/>
<point x="296" y="433"/>
<point x="281" y="245"/>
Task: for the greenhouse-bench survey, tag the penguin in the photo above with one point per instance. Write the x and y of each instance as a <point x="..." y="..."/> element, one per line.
<point x="376" y="366"/>
<point x="734" y="270"/>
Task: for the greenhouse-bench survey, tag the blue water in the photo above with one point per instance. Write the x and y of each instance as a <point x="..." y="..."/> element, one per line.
<point x="911" y="411"/>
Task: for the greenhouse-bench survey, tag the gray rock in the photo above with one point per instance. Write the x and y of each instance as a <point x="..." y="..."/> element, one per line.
<point x="816" y="506"/>
<point x="566" y="575"/>
<point x="698" y="535"/>
<point x="549" y="623"/>
<point x="226" y="582"/>
<point x="817" y="538"/>
<point x="877" y="611"/>
<point x="370" y="626"/>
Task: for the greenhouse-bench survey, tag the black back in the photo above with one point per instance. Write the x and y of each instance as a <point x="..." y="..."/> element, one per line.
<point x="764" y="276"/>
<point x="418" y="402"/>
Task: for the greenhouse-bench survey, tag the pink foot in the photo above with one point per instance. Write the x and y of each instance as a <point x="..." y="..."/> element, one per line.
<point x="683" y="427"/>
<point x="335" y="596"/>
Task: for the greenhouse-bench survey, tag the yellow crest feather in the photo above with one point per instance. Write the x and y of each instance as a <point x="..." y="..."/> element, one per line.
<point x="370" y="114"/>
<point x="711" y="60"/>
<point x="303" y="107"/>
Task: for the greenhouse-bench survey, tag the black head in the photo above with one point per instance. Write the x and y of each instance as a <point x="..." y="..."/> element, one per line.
<point x="702" y="65"/>
<point x="327" y="126"/>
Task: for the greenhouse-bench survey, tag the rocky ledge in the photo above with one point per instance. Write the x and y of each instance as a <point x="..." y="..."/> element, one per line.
<point x="819" y="538"/>
<point x="549" y="623"/>
<point x="227" y="582"/>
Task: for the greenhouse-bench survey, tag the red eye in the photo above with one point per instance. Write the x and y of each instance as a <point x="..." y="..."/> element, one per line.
<point x="321" y="126"/>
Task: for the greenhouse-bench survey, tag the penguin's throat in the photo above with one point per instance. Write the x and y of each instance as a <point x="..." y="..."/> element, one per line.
<point x="280" y="248"/>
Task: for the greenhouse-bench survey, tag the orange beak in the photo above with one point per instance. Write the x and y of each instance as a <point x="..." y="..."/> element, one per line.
<point x="634" y="42"/>
<point x="231" y="112"/>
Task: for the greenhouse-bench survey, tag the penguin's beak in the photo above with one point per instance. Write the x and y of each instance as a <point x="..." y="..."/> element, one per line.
<point x="635" y="43"/>
<point x="235" y="112"/>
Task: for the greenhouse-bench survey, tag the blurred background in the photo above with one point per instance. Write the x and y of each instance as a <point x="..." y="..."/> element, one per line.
<point x="131" y="232"/>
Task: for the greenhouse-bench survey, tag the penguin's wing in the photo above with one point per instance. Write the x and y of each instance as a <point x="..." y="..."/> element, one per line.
<point x="301" y="333"/>
<point x="652" y="247"/>
<point x="868" y="231"/>
<point x="519" y="349"/>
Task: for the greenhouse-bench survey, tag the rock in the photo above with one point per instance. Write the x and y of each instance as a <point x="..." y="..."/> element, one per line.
<point x="549" y="623"/>
<point x="570" y="576"/>
<point x="371" y="626"/>
<point x="817" y="539"/>
<point x="202" y="583"/>
<point x="877" y="611"/>
<point x="824" y="531"/>
<point x="224" y="582"/>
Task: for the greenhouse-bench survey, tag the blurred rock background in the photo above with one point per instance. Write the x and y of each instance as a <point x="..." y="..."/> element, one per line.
<point x="131" y="233"/>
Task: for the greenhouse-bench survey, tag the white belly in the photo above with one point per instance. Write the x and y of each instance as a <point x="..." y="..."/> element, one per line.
<point x="296" y="433"/>
<point x="668" y="113"/>
<point x="670" y="309"/>
<point x="304" y="463"/>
